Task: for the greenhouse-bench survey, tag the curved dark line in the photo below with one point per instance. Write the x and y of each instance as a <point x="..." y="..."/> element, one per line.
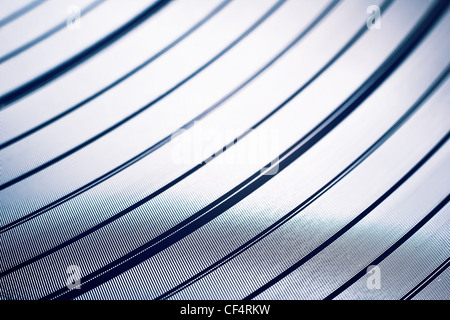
<point x="314" y="196"/>
<point x="391" y="249"/>
<point x="20" y="12"/>
<point x="64" y="67"/>
<point x="142" y="109"/>
<point x="119" y="80"/>
<point x="352" y="223"/>
<point x="168" y="138"/>
<point x="188" y="125"/>
<point x="425" y="282"/>
<point x="45" y="35"/>
<point x="238" y="193"/>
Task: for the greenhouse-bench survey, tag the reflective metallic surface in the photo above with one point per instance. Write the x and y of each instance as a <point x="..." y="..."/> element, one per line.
<point x="206" y="149"/>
